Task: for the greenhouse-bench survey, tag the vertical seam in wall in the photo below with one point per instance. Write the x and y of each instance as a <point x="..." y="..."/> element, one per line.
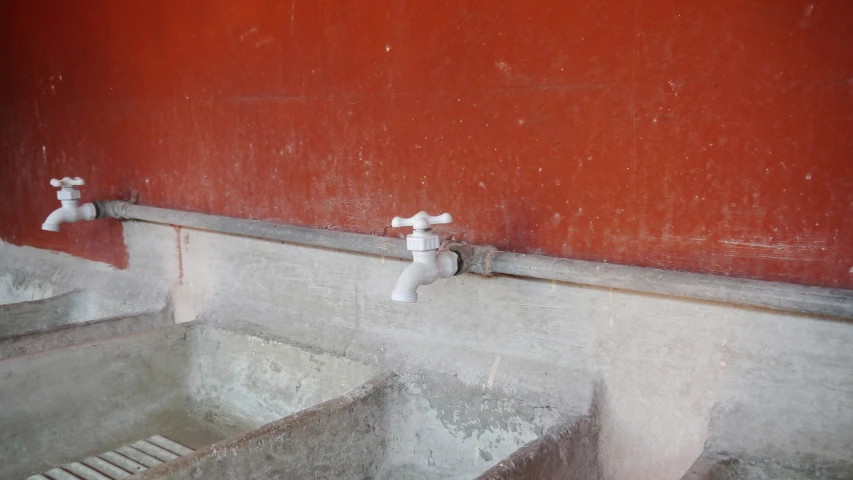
<point x="180" y="255"/>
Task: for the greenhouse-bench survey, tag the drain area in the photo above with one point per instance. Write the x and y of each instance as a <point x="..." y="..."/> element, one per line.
<point x="119" y="463"/>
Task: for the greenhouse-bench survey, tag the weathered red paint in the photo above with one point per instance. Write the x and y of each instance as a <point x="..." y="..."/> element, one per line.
<point x="704" y="136"/>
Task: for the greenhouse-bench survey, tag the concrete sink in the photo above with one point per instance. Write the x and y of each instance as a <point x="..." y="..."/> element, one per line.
<point x="63" y="309"/>
<point x="17" y="287"/>
<point x="31" y="303"/>
<point x="398" y="428"/>
<point x="720" y="466"/>
<point x="204" y="401"/>
<point x="190" y="384"/>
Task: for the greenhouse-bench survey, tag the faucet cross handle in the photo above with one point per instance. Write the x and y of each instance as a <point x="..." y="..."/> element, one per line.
<point x="68" y="192"/>
<point x="421" y="221"/>
<point x="423" y="238"/>
<point x="68" y="182"/>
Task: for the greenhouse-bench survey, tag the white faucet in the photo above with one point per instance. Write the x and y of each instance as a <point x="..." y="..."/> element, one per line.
<point x="430" y="264"/>
<point x="70" y="211"/>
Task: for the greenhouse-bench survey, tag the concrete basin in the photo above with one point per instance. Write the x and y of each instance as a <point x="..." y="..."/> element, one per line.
<point x="399" y="428"/>
<point x="721" y="466"/>
<point x="63" y="309"/>
<point x="78" y="333"/>
<point x="192" y="384"/>
<point x="29" y="302"/>
<point x="435" y="427"/>
<point x="16" y="287"/>
<point x="240" y="403"/>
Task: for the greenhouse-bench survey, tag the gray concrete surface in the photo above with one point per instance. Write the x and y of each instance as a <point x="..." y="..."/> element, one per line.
<point x="47" y="312"/>
<point x="338" y="439"/>
<point x="356" y="436"/>
<point x="677" y="373"/>
<point x="63" y="309"/>
<point x="669" y="365"/>
<point x="17" y="286"/>
<point x="191" y="383"/>
<point x="207" y="386"/>
<point x="567" y="451"/>
<point x="77" y="333"/>
<point x="715" y="466"/>
<point x="436" y="427"/>
<point x="40" y="289"/>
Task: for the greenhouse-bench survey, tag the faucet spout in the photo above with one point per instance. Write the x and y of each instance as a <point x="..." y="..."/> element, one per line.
<point x="69" y="212"/>
<point x="412" y="277"/>
<point x="428" y="267"/>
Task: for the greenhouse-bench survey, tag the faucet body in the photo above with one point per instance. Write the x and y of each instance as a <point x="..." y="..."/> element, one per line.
<point x="70" y="210"/>
<point x="430" y="261"/>
<point x="427" y="267"/>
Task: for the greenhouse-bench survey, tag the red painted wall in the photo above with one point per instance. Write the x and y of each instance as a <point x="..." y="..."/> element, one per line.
<point x="705" y="136"/>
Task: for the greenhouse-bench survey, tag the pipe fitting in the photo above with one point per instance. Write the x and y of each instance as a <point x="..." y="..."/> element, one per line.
<point x="112" y="209"/>
<point x="472" y="258"/>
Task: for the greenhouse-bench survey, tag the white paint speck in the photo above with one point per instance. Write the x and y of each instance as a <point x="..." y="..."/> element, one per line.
<point x="265" y="41"/>
<point x="809" y="9"/>
<point x="503" y="66"/>
<point x="387" y="48"/>
<point x="248" y="32"/>
<point x="809" y="176"/>
<point x="520" y="121"/>
<point x="482" y="185"/>
<point x="540" y="169"/>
